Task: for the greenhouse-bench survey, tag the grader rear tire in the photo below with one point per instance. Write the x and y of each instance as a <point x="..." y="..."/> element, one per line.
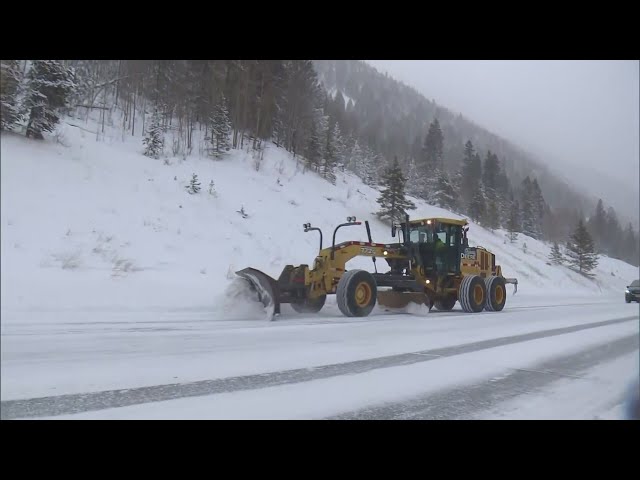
<point x="357" y="293"/>
<point x="472" y="294"/>
<point x="310" y="305"/>
<point x="496" y="294"/>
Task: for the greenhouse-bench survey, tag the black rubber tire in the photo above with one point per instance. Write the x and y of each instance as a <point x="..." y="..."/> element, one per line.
<point x="446" y="304"/>
<point x="465" y="294"/>
<point x="346" y="293"/>
<point x="310" y="305"/>
<point x="493" y="284"/>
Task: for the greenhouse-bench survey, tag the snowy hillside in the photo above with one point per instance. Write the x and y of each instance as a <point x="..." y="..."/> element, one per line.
<point x="89" y="223"/>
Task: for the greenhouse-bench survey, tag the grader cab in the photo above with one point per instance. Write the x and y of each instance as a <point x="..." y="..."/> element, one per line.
<point x="431" y="264"/>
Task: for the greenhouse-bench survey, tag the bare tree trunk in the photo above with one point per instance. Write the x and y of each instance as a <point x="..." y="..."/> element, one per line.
<point x="133" y="116"/>
<point x="257" y="132"/>
<point x="103" y="115"/>
<point x="144" y="114"/>
<point x="118" y="82"/>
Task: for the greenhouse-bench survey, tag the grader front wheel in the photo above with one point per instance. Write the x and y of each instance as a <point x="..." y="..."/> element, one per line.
<point x="310" y="305"/>
<point x="357" y="293"/>
<point x="445" y="304"/>
<point x="472" y="294"/>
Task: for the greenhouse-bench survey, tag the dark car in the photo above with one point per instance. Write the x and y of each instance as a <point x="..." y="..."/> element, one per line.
<point x="632" y="293"/>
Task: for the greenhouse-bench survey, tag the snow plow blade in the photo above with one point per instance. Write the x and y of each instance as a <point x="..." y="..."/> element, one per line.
<point x="266" y="288"/>
<point x="513" y="281"/>
<point x="391" y="299"/>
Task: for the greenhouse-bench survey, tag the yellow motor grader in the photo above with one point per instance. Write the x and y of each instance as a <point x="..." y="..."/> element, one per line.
<point x="431" y="264"/>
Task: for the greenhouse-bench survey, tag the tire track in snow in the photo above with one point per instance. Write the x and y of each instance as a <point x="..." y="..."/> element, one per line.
<point x="470" y="400"/>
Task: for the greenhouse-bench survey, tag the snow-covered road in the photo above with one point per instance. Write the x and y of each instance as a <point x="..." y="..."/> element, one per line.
<point x="188" y="364"/>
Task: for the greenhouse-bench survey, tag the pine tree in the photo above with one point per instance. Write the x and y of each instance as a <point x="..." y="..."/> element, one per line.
<point x="513" y="224"/>
<point x="338" y="146"/>
<point x="555" y="256"/>
<point x="581" y="251"/>
<point x="538" y="207"/>
<point x="476" y="169"/>
<point x="313" y="150"/>
<point x="154" y="139"/>
<point x="504" y="197"/>
<point x="490" y="178"/>
<point x="415" y="180"/>
<point x="445" y="193"/>
<point x="221" y="128"/>
<point x="212" y="189"/>
<point x="527" y="212"/>
<point x="491" y="172"/>
<point x="48" y="88"/>
<point x="331" y="154"/>
<point x="393" y="204"/>
<point x="194" y="185"/>
<point x="354" y="158"/>
<point x="631" y="246"/>
<point x="370" y="164"/>
<point x="492" y="217"/>
<point x="598" y="224"/>
<point x="477" y="207"/>
<point x="432" y="151"/>
<point x="10" y="84"/>
<point x="468" y="179"/>
<point x="611" y="242"/>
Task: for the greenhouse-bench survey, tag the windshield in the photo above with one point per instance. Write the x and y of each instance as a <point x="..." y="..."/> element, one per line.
<point x="422" y="234"/>
<point x="635" y="283"/>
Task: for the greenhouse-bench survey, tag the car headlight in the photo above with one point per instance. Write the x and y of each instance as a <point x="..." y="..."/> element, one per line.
<point x="627" y="291"/>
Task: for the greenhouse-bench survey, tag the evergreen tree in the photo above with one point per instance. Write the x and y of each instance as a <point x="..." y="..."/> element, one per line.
<point x="331" y="154"/>
<point x="338" y="146"/>
<point x="504" y="197"/>
<point x="555" y="256"/>
<point x="393" y="204"/>
<point x="581" y="251"/>
<point x="370" y="164"/>
<point x="415" y="181"/>
<point x="432" y="151"/>
<point x="445" y="193"/>
<point x="313" y="150"/>
<point x="476" y="169"/>
<point x="467" y="179"/>
<point x="492" y="217"/>
<point x="354" y="158"/>
<point x="154" y="139"/>
<point x="477" y="207"/>
<point x="10" y="84"/>
<point x="611" y="241"/>
<point x="514" y="224"/>
<point x="538" y="207"/>
<point x="631" y="246"/>
<point x="194" y="185"/>
<point x="527" y="212"/>
<point x="221" y="128"/>
<point x="491" y="172"/>
<point x="598" y="224"/>
<point x="48" y="88"/>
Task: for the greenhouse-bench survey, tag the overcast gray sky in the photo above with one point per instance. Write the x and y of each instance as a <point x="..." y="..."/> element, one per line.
<point x="569" y="113"/>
